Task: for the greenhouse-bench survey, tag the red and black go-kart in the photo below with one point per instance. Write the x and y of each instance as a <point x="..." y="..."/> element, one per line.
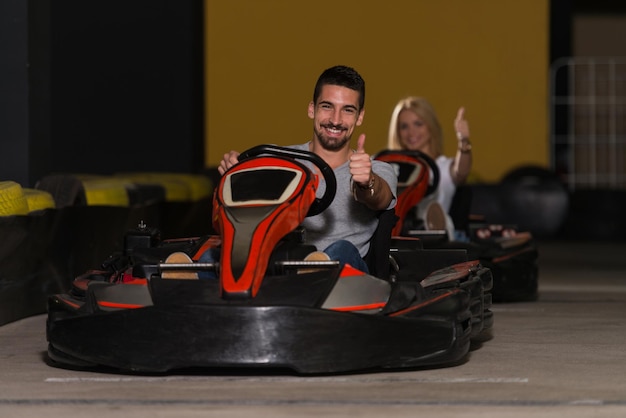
<point x="511" y="255"/>
<point x="146" y="311"/>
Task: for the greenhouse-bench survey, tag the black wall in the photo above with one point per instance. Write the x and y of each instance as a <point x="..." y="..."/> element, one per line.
<point x="14" y="131"/>
<point x="101" y="87"/>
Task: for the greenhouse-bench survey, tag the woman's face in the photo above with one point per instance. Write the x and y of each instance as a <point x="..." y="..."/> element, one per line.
<point x="413" y="133"/>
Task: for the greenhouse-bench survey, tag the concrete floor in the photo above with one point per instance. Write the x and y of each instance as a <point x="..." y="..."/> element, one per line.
<point x="564" y="355"/>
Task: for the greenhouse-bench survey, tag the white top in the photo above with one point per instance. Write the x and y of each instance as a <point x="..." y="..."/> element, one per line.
<point x="446" y="190"/>
<point x="443" y="195"/>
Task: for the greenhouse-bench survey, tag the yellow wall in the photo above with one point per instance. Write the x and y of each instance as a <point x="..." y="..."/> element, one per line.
<point x="264" y="56"/>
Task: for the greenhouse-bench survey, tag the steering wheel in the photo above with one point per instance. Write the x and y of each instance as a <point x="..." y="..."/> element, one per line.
<point x="320" y="203"/>
<point x="432" y="186"/>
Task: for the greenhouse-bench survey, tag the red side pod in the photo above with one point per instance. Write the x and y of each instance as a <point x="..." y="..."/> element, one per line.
<point x="411" y="194"/>
<point x="448" y="274"/>
<point x="215" y="213"/>
<point x="250" y="232"/>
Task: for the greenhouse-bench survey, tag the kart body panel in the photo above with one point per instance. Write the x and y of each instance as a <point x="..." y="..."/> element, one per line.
<point x="511" y="255"/>
<point x="133" y="315"/>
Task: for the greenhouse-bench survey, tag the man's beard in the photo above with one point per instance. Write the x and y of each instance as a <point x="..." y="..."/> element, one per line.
<point x="331" y="143"/>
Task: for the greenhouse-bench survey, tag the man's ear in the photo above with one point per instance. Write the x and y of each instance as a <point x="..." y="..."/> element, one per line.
<point x="311" y="111"/>
<point x="359" y="120"/>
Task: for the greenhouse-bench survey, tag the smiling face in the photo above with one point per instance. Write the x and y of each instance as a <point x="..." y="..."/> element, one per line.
<point x="413" y="132"/>
<point x="335" y="115"/>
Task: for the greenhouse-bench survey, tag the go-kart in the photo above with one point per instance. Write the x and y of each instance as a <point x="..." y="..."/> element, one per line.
<point x="510" y="254"/>
<point x="153" y="307"/>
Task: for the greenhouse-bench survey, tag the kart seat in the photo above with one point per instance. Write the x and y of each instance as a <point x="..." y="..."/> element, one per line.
<point x="460" y="209"/>
<point x="377" y="257"/>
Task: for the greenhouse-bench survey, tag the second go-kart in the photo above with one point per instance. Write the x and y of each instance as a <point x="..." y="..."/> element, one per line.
<point x="511" y="255"/>
<point x="155" y="308"/>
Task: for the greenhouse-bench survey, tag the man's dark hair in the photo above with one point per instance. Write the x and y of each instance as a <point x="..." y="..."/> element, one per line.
<point x="343" y="76"/>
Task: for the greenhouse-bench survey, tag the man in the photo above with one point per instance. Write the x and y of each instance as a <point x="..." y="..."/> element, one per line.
<point x="364" y="187"/>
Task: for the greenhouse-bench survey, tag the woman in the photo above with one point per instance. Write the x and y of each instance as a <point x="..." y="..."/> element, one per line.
<point x="414" y="126"/>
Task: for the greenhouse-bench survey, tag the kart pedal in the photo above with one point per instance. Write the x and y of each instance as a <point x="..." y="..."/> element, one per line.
<point x="179" y="258"/>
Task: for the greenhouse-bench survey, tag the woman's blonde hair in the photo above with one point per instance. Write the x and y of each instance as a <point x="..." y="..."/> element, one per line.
<point x="422" y="108"/>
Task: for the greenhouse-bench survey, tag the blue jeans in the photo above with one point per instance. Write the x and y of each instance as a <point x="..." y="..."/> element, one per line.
<point x="346" y="253"/>
<point x="212" y="255"/>
<point x="343" y="251"/>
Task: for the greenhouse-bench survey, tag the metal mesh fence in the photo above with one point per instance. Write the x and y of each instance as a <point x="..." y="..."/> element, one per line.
<point x="588" y="122"/>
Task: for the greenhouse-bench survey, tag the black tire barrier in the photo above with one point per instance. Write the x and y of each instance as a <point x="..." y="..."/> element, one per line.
<point x="67" y="190"/>
<point x="12" y="200"/>
<point x="530" y="197"/>
<point x="536" y="199"/>
<point x="42" y="252"/>
<point x="32" y="264"/>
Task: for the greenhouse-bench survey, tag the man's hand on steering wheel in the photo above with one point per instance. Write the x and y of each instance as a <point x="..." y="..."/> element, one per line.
<point x="230" y="159"/>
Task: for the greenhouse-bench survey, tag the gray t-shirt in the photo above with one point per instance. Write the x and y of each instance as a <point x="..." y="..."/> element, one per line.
<point x="346" y="218"/>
